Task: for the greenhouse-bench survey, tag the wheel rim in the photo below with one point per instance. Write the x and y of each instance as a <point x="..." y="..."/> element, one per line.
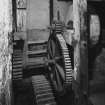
<point x="57" y="65"/>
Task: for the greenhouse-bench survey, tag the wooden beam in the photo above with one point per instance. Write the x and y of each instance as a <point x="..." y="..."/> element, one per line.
<point x="80" y="84"/>
<point x="14" y="15"/>
<point x="51" y="11"/>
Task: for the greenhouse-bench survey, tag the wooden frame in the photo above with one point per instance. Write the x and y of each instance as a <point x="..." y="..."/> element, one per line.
<point x="21" y="20"/>
<point x="21" y="14"/>
<point x="21" y="4"/>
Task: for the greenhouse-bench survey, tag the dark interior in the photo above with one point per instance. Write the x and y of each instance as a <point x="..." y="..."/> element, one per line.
<point x="96" y="59"/>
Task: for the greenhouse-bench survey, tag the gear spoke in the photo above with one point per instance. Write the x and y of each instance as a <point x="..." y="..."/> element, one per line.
<point x="60" y="71"/>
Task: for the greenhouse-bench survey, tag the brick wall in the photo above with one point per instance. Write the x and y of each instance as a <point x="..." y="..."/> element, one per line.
<point x="5" y="56"/>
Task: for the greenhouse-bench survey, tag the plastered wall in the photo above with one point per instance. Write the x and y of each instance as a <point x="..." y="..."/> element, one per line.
<point x="37" y="20"/>
<point x="65" y="9"/>
<point x="38" y="17"/>
<point x="37" y="14"/>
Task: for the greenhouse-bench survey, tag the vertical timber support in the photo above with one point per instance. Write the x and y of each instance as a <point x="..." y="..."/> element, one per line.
<point x="51" y="11"/>
<point x="55" y="8"/>
<point x="14" y="15"/>
<point x="80" y="84"/>
<point x="5" y="51"/>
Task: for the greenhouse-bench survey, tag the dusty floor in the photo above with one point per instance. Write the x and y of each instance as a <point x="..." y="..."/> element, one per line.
<point x="24" y="93"/>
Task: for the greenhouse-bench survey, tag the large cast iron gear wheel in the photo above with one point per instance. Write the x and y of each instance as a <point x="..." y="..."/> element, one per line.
<point x="43" y="91"/>
<point x="60" y="63"/>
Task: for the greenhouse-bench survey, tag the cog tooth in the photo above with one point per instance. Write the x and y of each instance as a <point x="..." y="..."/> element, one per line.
<point x="43" y="91"/>
<point x="67" y="58"/>
<point x="65" y="49"/>
<point x="66" y="55"/>
<point x="68" y="64"/>
<point x="68" y="67"/>
<point x="67" y="61"/>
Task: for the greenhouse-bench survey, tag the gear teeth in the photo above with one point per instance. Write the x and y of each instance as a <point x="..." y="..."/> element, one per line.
<point x="17" y="59"/>
<point x="17" y="65"/>
<point x="18" y="62"/>
<point x="68" y="69"/>
<point x="41" y="87"/>
<point x="67" y="60"/>
<point x="43" y="91"/>
<point x="67" y="64"/>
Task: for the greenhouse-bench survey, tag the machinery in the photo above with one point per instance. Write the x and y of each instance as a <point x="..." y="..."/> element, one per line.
<point x="60" y="59"/>
<point x="56" y="56"/>
<point x="51" y="63"/>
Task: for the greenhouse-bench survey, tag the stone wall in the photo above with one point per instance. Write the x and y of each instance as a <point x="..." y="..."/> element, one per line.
<point x="5" y="48"/>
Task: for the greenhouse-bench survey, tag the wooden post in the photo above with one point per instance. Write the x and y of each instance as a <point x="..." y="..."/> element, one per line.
<point x="51" y="11"/>
<point x="80" y="84"/>
<point x="55" y="8"/>
<point x="14" y="15"/>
